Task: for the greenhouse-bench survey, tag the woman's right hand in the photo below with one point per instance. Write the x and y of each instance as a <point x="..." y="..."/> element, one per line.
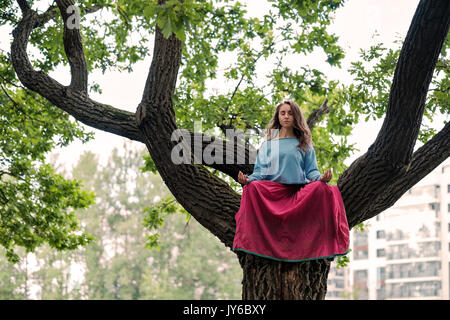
<point x="242" y="178"/>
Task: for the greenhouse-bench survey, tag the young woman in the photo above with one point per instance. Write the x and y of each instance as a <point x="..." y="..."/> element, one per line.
<point x="288" y="210"/>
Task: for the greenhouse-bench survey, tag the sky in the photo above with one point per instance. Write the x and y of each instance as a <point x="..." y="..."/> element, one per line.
<point x="355" y="24"/>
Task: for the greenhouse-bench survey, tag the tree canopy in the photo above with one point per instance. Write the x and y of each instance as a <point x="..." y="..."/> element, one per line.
<point x="401" y="85"/>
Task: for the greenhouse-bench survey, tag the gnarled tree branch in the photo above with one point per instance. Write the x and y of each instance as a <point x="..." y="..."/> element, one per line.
<point x="73" y="46"/>
<point x="417" y="61"/>
<point x="209" y="199"/>
<point x="24" y="5"/>
<point x="366" y="186"/>
<point x="317" y="114"/>
<point x="423" y="161"/>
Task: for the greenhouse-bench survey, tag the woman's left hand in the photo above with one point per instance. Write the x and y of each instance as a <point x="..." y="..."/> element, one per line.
<point x="327" y="176"/>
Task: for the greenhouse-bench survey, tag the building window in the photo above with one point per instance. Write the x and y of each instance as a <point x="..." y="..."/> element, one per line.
<point x="360" y="239"/>
<point x="414" y="289"/>
<point x="336" y="283"/>
<point x="414" y="270"/>
<point x="360" y="254"/>
<point x="448" y="188"/>
<point x="381" y="253"/>
<point x="380" y="234"/>
<point x="448" y="209"/>
<point x="360" y="278"/>
<point x="421" y="250"/>
<point x="360" y="246"/>
<point x="437" y="189"/>
<point x="381" y="285"/>
<point x="436" y="206"/>
<point x="396" y="234"/>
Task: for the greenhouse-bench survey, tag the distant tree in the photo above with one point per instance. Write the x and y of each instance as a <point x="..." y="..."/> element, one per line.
<point x="119" y="265"/>
<point x="53" y="277"/>
<point x="115" y="264"/>
<point x="14" y="279"/>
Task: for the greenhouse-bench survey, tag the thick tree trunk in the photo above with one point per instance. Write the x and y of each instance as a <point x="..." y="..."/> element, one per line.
<point x="266" y="279"/>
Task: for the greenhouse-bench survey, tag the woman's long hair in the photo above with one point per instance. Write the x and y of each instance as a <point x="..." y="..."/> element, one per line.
<point x="301" y="129"/>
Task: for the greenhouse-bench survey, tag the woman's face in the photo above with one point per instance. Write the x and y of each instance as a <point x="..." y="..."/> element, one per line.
<point x="285" y="116"/>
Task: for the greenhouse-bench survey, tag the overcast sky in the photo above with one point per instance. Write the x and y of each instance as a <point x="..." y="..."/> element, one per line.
<point x="355" y="24"/>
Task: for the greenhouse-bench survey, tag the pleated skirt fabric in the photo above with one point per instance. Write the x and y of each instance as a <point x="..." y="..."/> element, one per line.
<point x="291" y="222"/>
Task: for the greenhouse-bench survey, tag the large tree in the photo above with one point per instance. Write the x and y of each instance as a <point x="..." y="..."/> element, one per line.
<point x="191" y="33"/>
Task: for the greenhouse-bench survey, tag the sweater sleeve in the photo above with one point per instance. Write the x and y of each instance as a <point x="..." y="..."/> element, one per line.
<point x="311" y="169"/>
<point x="257" y="174"/>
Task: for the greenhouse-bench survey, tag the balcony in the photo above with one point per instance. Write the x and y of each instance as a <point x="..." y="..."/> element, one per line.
<point x="415" y="279"/>
<point x="414" y="290"/>
<point x="411" y="260"/>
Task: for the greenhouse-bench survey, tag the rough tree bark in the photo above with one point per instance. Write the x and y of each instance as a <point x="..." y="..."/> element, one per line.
<point x="370" y="185"/>
<point x="265" y="279"/>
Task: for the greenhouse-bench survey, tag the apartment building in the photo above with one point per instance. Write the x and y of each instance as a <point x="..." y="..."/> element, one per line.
<point x="404" y="251"/>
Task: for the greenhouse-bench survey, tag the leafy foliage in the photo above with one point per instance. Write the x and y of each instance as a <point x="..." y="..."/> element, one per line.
<point x="373" y="74"/>
<point x="342" y="261"/>
<point x="155" y="218"/>
<point x="36" y="205"/>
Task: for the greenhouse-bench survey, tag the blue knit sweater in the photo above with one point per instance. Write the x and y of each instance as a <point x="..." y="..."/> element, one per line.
<point x="281" y="161"/>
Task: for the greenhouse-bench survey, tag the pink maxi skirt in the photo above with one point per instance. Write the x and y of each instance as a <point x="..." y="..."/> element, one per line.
<point x="291" y="222"/>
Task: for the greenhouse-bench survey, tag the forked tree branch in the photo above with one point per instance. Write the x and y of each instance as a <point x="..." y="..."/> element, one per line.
<point x="423" y="161"/>
<point x="73" y="46"/>
<point x="417" y="61"/>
